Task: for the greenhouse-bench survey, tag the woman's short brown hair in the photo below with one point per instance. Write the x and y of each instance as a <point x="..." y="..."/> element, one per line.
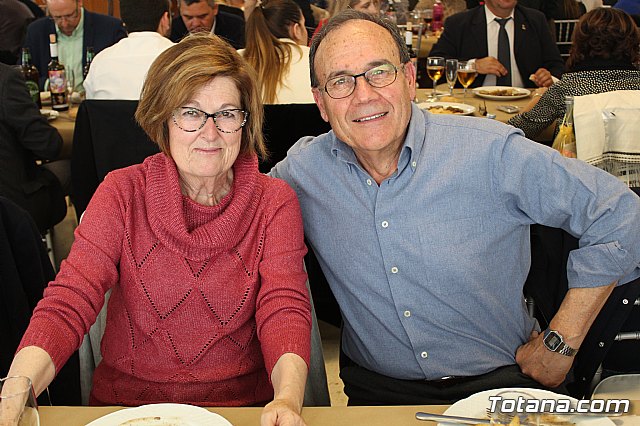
<point x="180" y="71"/>
<point x="605" y="33"/>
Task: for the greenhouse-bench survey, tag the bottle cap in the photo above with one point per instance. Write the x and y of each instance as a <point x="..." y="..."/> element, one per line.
<point x="52" y="38"/>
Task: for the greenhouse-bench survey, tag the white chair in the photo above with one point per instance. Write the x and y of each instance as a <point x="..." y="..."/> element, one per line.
<point x="622" y="386"/>
<point x="563" y="29"/>
<point x="316" y="391"/>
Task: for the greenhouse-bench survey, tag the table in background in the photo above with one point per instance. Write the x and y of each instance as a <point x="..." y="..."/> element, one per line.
<point x="65" y="124"/>
<point x="250" y="416"/>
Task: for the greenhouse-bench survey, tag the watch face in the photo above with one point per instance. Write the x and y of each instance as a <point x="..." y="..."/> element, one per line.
<point x="552" y="340"/>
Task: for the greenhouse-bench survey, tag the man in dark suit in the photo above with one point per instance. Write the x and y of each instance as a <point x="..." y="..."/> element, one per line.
<point x="207" y="15"/>
<point x="529" y="59"/>
<point x="70" y="21"/>
<point x="25" y="136"/>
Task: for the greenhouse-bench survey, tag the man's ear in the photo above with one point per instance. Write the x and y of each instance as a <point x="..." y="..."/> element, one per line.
<point x="409" y="71"/>
<point x="317" y="96"/>
<point x="164" y="26"/>
<point x="215" y="9"/>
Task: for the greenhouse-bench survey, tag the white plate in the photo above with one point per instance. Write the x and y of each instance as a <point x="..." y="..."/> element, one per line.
<point x="519" y="92"/>
<point x="50" y="114"/>
<point x="178" y="414"/>
<point x="476" y="406"/>
<point x="468" y="109"/>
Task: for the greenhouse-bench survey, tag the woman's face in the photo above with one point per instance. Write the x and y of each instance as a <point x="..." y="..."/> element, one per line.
<point x="371" y="7"/>
<point x="208" y="153"/>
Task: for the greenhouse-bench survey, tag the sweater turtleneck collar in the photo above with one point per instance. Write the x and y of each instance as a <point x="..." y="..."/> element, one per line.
<point x="232" y="216"/>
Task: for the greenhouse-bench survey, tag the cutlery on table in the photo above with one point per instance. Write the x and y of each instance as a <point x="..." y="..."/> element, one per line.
<point x="462" y="420"/>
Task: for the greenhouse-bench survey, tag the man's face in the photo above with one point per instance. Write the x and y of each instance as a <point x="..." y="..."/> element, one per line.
<point x="501" y="8"/>
<point x="198" y="16"/>
<point x="371" y="119"/>
<point x="65" y="13"/>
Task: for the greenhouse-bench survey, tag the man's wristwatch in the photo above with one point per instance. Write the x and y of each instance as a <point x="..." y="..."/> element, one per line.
<point x="555" y="343"/>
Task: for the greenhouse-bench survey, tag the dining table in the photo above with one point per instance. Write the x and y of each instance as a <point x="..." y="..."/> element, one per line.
<point x="313" y="416"/>
<point x="250" y="416"/>
<point x="65" y="123"/>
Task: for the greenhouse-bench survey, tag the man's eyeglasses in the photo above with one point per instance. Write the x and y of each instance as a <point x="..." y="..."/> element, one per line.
<point x="192" y="119"/>
<point x="67" y="17"/>
<point x="343" y="85"/>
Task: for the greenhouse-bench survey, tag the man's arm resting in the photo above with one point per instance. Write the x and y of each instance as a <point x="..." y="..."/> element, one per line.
<point x="579" y="309"/>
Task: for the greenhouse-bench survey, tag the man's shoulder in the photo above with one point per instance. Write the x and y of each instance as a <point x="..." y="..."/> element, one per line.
<point x="229" y="19"/>
<point x="41" y="25"/>
<point x="530" y="14"/>
<point x="466" y="16"/>
<point x="98" y="19"/>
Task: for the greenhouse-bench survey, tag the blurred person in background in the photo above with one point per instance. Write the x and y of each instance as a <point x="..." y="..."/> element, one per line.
<point x="76" y="29"/>
<point x="336" y="6"/>
<point x="606" y="45"/>
<point x="26" y="136"/>
<point x="532" y="58"/>
<point x="277" y="50"/>
<point x="14" y="19"/>
<point x="119" y="71"/>
<point x="205" y="16"/>
<point x="202" y="253"/>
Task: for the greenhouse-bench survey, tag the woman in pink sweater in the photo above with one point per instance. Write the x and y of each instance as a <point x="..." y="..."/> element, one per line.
<point x="203" y="254"/>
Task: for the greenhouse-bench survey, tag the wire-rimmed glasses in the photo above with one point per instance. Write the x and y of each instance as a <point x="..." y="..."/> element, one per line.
<point x="435" y="69"/>
<point x="191" y="119"/>
<point x="451" y="72"/>
<point x="68" y="17"/>
<point x="343" y="85"/>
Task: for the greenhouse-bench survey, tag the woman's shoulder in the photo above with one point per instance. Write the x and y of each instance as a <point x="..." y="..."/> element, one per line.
<point x="135" y="175"/>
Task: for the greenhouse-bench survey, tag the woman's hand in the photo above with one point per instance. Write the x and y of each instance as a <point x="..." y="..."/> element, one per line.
<point x="281" y="412"/>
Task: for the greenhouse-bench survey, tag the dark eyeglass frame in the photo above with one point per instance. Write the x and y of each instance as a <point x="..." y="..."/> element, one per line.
<point x="366" y="75"/>
<point x="67" y="17"/>
<point x="214" y="115"/>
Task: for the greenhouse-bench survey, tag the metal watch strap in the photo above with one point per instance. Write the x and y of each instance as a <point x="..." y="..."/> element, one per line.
<point x="567" y="350"/>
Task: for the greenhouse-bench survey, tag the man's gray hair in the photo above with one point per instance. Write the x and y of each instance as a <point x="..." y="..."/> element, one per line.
<point x="349" y="15"/>
<point x="211" y="3"/>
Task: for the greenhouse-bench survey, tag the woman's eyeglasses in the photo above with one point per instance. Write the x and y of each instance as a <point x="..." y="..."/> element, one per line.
<point x="192" y="119"/>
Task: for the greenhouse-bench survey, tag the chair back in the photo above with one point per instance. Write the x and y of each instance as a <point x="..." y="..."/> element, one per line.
<point x="106" y="137"/>
<point x="563" y="30"/>
<point x="284" y="124"/>
<point x="316" y="391"/>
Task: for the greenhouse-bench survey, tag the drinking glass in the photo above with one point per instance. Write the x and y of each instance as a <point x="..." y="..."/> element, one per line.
<point x="435" y="69"/>
<point x="451" y="71"/>
<point x="466" y="74"/>
<point x="427" y="15"/>
<point x="18" y="402"/>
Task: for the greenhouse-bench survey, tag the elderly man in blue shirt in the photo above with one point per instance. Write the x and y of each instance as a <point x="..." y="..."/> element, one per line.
<point x="420" y="223"/>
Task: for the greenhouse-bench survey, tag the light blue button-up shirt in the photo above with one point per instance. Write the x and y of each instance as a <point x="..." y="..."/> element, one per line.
<point x="429" y="266"/>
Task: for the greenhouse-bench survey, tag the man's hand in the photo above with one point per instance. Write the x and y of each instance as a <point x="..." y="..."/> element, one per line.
<point x="542" y="365"/>
<point x="281" y="412"/>
<point x="490" y="65"/>
<point x="542" y="78"/>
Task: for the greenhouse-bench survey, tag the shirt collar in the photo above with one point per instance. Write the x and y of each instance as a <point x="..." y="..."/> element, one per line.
<point x="411" y="148"/>
<point x="79" y="29"/>
<point x="491" y="17"/>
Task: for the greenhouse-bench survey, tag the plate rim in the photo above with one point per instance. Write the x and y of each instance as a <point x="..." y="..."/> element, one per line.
<point x="538" y="393"/>
<point x="471" y="108"/>
<point x="526" y="92"/>
<point x="130" y="413"/>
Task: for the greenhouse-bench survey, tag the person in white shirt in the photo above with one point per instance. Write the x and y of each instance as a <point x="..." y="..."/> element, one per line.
<point x="277" y="50"/>
<point x="119" y="71"/>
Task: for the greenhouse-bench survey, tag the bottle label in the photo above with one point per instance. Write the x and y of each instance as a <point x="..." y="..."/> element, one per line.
<point x="57" y="81"/>
<point x="34" y="90"/>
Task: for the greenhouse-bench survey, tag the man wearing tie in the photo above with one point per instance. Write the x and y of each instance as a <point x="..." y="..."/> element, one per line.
<point x="510" y="44"/>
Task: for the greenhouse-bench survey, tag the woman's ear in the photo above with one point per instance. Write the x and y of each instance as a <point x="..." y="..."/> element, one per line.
<point x="298" y="33"/>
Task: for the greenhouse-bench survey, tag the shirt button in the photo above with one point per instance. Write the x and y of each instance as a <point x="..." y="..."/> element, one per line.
<point x="394" y="270"/>
<point x="385" y="224"/>
<point x="407" y="314"/>
<point x="414" y="164"/>
<point x="424" y="354"/>
<point x="369" y="182"/>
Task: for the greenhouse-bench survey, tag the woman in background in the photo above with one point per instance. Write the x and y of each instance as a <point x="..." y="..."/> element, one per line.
<point x="371" y="7"/>
<point x="606" y="45"/>
<point x="277" y="49"/>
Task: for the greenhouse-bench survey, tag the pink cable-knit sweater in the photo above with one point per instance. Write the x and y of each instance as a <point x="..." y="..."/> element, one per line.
<point x="205" y="299"/>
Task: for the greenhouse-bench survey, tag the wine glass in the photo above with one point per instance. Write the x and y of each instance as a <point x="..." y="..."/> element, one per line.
<point x="451" y="71"/>
<point x="70" y="85"/>
<point x="435" y="69"/>
<point x="466" y="74"/>
<point x="18" y="402"/>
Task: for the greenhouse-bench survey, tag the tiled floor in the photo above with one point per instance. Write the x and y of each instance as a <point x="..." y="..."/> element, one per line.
<point x="62" y="238"/>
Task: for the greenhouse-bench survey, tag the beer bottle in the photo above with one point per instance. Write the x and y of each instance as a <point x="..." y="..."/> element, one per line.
<point x="87" y="65"/>
<point x="31" y="76"/>
<point x="57" y="78"/>
<point x="565" y="140"/>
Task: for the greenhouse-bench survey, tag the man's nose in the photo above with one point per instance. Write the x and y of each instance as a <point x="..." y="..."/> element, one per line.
<point x="363" y="90"/>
